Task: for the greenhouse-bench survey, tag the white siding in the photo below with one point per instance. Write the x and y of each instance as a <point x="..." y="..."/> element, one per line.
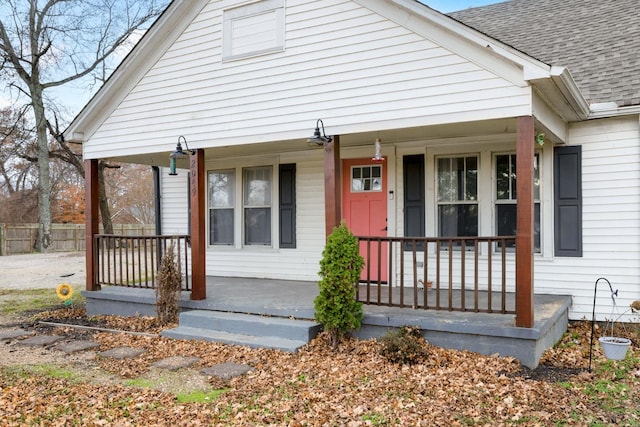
<point x="611" y="221"/>
<point x="174" y="203"/>
<point x="354" y="68"/>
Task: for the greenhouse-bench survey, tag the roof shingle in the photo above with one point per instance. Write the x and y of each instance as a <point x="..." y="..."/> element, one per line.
<point x="597" y="40"/>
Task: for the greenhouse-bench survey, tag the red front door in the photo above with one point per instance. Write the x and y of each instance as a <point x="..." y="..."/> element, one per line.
<point x="364" y="204"/>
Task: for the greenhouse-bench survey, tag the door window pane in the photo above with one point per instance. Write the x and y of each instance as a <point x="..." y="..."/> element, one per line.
<point x="366" y="178"/>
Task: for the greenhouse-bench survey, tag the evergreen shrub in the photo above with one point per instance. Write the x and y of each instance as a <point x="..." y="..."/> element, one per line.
<point x="340" y="267"/>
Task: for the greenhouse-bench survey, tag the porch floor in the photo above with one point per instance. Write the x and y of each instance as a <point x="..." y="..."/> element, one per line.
<point x="486" y="333"/>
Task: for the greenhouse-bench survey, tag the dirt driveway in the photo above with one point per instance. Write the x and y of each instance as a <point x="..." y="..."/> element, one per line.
<point x="42" y="270"/>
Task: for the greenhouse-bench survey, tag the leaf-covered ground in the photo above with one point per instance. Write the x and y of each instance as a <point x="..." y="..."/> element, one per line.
<point x="351" y="386"/>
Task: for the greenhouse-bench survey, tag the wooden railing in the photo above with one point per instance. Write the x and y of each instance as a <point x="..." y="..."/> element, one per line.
<point x="133" y="261"/>
<point x="454" y="274"/>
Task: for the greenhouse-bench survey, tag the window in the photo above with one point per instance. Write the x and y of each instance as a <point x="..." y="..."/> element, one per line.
<point x="253" y="29"/>
<point x="457" y="182"/>
<point x="257" y="205"/>
<point x="366" y="178"/>
<point x="505" y="203"/>
<point x="251" y="212"/>
<point x="221" y="207"/>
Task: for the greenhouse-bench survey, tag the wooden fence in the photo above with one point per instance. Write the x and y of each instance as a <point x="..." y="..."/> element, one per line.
<point x="21" y="238"/>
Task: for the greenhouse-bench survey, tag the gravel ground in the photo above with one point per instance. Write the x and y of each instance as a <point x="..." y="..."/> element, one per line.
<point x="33" y="271"/>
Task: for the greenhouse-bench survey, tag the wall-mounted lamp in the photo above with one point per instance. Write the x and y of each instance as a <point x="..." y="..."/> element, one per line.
<point x="377" y="157"/>
<point x="178" y="153"/>
<point x="318" y="140"/>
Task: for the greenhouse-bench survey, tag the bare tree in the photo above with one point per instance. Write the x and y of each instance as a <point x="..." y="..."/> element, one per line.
<point x="49" y="43"/>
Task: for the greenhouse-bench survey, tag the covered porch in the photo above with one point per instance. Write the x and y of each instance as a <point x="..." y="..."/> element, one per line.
<point x="486" y="333"/>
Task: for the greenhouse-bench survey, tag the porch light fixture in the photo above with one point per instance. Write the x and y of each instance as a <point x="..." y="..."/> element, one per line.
<point x="377" y="157"/>
<point x="178" y="153"/>
<point x="318" y="140"/>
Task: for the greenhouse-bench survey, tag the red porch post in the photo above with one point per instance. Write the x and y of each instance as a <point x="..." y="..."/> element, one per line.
<point x="91" y="220"/>
<point x="524" y="225"/>
<point x="198" y="234"/>
<point x="332" y="195"/>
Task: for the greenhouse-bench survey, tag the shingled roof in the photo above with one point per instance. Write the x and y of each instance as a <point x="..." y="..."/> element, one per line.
<point x="597" y="40"/>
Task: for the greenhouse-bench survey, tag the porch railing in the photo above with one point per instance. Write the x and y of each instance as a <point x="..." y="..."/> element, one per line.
<point x="133" y="261"/>
<point x="451" y="274"/>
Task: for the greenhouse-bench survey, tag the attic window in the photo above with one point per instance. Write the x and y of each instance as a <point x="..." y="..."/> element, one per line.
<point x="253" y="29"/>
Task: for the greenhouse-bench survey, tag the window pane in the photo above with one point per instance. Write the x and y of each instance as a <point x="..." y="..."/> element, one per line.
<point x="257" y="186"/>
<point x="221" y="189"/>
<point x="444" y="180"/>
<point x="257" y="226"/>
<point x="512" y="177"/>
<point x="506" y="218"/>
<point x="458" y="179"/>
<point x="377" y="184"/>
<point x="536" y="178"/>
<point x="471" y="184"/>
<point x="366" y="172"/>
<point x="221" y="226"/>
<point x="502" y="177"/>
<point x="458" y="220"/>
<point x="376" y="171"/>
<point x="356" y="172"/>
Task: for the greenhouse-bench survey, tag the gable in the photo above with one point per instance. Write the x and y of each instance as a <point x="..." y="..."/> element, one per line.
<point x="343" y="61"/>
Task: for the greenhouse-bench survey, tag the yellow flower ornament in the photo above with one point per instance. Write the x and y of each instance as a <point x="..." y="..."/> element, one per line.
<point x="64" y="291"/>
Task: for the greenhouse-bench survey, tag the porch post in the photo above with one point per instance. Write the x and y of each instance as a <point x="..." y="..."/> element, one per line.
<point x="91" y="220"/>
<point x="524" y="225"/>
<point x="332" y="196"/>
<point x="198" y="235"/>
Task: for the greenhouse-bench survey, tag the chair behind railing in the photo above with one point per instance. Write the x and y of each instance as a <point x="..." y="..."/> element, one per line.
<point x="439" y="273"/>
<point x="133" y="261"/>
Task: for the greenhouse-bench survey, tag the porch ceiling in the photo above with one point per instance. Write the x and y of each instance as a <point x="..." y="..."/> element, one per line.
<point x="425" y="135"/>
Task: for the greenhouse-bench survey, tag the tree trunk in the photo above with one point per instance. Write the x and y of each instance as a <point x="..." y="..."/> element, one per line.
<point x="44" y="180"/>
<point x="105" y="212"/>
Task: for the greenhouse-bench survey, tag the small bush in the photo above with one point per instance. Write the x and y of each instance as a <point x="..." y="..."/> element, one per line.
<point x="405" y="345"/>
<point x="335" y="306"/>
<point x="168" y="288"/>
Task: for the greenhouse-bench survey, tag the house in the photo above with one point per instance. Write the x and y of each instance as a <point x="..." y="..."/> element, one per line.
<point x="420" y="124"/>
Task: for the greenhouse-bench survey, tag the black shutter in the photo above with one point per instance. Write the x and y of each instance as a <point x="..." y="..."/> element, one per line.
<point x="567" y="179"/>
<point x="287" y="212"/>
<point x="414" y="196"/>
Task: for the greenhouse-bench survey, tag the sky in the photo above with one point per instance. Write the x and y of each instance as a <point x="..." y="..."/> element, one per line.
<point x="446" y="6"/>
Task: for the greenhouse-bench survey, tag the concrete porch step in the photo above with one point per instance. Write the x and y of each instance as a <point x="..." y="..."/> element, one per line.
<point x="245" y="329"/>
<point x="278" y="343"/>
